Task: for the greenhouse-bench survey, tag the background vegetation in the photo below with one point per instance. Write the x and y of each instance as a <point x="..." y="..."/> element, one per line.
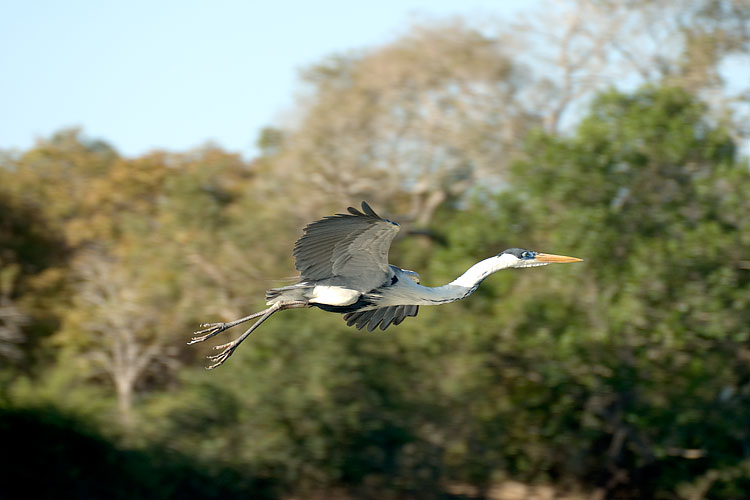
<point x="609" y="134"/>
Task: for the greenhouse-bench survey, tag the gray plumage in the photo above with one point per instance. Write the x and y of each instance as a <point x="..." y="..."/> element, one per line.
<point x="384" y="317"/>
<point x="343" y="265"/>
<point x="352" y="246"/>
<point x="349" y="250"/>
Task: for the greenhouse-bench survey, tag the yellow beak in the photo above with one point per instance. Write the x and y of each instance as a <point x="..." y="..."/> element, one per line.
<point x="557" y="259"/>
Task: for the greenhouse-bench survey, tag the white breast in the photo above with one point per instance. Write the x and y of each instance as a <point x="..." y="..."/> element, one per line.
<point x="334" y="295"/>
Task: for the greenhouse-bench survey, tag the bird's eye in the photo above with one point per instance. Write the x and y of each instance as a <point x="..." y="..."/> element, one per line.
<point x="527" y="255"/>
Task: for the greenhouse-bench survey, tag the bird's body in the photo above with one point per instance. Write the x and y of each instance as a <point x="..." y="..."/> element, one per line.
<point x="343" y="263"/>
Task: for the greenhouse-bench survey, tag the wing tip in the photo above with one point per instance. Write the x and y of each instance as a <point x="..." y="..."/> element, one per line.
<point x="366" y="208"/>
<point x="365" y="211"/>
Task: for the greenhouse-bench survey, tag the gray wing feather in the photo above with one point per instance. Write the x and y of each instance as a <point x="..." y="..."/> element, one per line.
<point x="353" y="245"/>
<point x="388" y="317"/>
<point x="383" y="316"/>
<point x="376" y="318"/>
<point x="362" y="321"/>
<point x="408" y="311"/>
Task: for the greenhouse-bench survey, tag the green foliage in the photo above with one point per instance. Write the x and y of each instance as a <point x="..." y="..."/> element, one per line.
<point x="642" y="192"/>
<point x="627" y="373"/>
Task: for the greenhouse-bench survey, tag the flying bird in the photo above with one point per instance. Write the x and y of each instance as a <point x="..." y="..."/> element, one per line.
<point x="343" y="265"/>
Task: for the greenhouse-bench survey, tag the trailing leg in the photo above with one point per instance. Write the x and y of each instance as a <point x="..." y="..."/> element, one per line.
<point x="211" y="329"/>
<point x="229" y="347"/>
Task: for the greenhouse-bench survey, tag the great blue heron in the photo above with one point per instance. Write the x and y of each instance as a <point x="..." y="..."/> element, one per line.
<point x="343" y="263"/>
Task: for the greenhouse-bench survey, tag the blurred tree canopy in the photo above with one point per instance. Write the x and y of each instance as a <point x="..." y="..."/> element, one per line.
<point x="627" y="376"/>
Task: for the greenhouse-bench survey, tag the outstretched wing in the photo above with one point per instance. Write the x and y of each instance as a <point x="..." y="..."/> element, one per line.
<point x="354" y="246"/>
<point x="382" y="316"/>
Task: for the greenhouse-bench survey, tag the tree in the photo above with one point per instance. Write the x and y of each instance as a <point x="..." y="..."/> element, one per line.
<point x="32" y="252"/>
<point x="628" y="373"/>
<point x="119" y="314"/>
<point x="12" y="318"/>
<point x="649" y="192"/>
<point x="579" y="48"/>
<point x="420" y="120"/>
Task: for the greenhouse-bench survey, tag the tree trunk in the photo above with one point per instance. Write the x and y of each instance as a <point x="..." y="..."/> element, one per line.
<point x="125" y="402"/>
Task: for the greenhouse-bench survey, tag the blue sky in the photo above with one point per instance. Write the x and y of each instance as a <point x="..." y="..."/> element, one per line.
<point x="175" y="74"/>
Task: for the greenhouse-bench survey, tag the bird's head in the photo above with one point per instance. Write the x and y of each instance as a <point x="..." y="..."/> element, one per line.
<point x="520" y="257"/>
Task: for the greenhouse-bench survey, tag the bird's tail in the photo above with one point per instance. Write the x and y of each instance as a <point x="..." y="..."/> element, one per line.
<point x="286" y="293"/>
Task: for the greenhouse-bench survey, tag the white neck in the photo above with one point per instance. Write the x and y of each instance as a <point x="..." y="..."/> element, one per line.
<point x="479" y="271"/>
<point x="457" y="289"/>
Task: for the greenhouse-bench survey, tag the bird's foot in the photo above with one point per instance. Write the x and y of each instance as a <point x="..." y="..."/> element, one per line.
<point x="227" y="351"/>
<point x="208" y="331"/>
